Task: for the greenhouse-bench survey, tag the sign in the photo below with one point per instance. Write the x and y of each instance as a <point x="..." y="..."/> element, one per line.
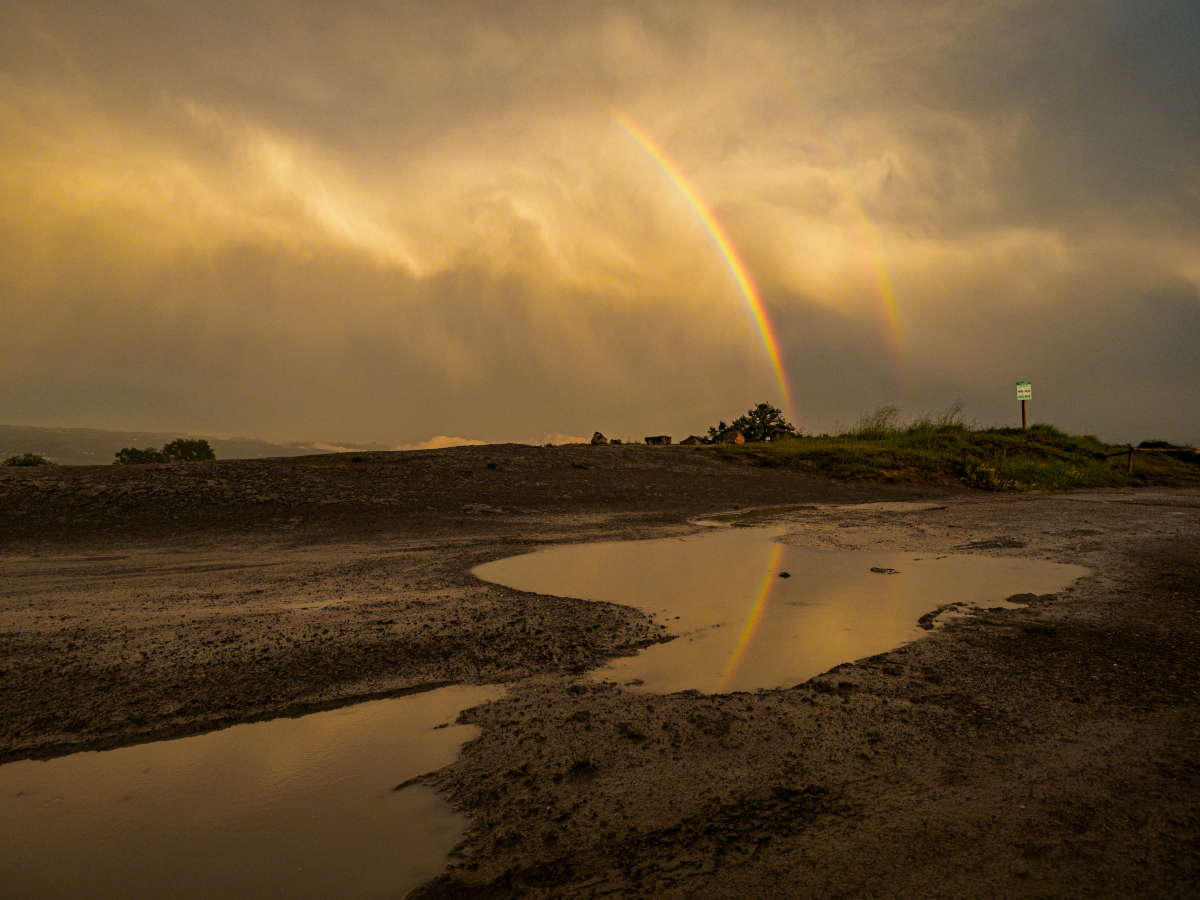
<point x="1024" y="390"/>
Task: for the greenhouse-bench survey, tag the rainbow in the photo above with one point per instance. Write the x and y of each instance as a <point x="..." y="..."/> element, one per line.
<point x="755" y="619"/>
<point x="884" y="291"/>
<point x="737" y="267"/>
<point x="881" y="285"/>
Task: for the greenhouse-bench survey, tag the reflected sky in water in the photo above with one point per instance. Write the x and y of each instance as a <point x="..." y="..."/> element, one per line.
<point x="741" y="626"/>
<point x="297" y="808"/>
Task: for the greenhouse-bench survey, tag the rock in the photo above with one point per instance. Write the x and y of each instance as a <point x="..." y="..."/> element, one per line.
<point x="732" y="436"/>
<point x="598" y="438"/>
<point x="880" y="571"/>
<point x="785" y="575"/>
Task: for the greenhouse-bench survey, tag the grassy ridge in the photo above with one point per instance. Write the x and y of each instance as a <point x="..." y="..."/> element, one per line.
<point x="944" y="448"/>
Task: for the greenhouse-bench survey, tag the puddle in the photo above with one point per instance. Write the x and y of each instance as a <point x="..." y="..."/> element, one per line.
<point x="297" y="808"/>
<point x="741" y="626"/>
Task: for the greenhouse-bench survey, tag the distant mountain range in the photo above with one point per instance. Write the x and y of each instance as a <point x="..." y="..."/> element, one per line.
<point x="92" y="446"/>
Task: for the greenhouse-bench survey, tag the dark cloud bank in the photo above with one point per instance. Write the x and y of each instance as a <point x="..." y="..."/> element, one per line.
<point x="385" y="224"/>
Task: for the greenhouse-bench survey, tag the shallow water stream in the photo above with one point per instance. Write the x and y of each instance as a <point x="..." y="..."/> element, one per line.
<point x="297" y="808"/>
<point x="741" y="626"/>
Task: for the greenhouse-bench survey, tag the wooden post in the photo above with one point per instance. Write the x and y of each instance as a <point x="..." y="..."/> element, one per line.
<point x="1131" y="459"/>
<point x="1022" y="415"/>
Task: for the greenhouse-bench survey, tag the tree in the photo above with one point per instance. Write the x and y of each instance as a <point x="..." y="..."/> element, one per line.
<point x="132" y="456"/>
<point x="714" y="433"/>
<point x="756" y="425"/>
<point x="182" y="450"/>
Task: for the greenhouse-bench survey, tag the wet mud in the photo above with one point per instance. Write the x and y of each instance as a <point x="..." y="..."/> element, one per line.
<point x="1050" y="750"/>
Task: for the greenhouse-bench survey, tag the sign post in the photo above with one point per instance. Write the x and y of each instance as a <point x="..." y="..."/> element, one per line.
<point x="1024" y="392"/>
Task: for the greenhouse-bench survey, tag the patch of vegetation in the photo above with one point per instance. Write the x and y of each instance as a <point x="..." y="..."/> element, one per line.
<point x="582" y="759"/>
<point x="29" y="459"/>
<point x="1050" y="631"/>
<point x="756" y="426"/>
<point x="181" y="450"/>
<point x="132" y="456"/>
<point x="943" y="447"/>
<point x="1184" y="454"/>
<point x="493" y="465"/>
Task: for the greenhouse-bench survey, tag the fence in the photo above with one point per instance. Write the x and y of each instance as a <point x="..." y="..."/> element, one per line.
<point x="1133" y="450"/>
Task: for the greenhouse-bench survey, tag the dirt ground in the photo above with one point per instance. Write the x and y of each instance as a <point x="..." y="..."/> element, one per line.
<point x="986" y="759"/>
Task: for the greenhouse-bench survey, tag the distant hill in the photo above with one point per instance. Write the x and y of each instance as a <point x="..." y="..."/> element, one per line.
<point x="92" y="446"/>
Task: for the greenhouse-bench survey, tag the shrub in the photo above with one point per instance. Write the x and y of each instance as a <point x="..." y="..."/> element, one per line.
<point x="181" y="450"/>
<point x="29" y="459"/>
<point x="132" y="456"/>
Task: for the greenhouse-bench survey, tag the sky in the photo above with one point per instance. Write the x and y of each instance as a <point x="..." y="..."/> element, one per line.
<point x="405" y="222"/>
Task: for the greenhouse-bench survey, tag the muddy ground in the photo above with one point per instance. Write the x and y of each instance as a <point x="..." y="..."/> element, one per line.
<point x="985" y="759"/>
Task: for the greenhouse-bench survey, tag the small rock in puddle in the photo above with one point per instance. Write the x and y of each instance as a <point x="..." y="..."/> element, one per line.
<point x="878" y="570"/>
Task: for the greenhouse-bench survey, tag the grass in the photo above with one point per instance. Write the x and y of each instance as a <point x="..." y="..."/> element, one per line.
<point x="944" y="448"/>
<point x="581" y="759"/>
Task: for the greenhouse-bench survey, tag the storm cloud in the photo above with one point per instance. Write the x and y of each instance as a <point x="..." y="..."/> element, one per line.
<point x="390" y="222"/>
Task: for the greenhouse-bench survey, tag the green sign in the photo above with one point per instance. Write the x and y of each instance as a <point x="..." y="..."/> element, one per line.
<point x="1024" y="390"/>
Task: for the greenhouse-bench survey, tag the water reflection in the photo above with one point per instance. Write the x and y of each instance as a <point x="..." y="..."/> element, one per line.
<point x="294" y="808"/>
<point x="741" y="626"/>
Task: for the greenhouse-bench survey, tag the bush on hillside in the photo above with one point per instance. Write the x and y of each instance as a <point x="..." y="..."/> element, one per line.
<point x="181" y="450"/>
<point x="132" y="456"/>
<point x="756" y="425"/>
<point x="28" y="459"/>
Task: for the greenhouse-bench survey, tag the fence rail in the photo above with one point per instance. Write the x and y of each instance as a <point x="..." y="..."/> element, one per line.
<point x="1133" y="450"/>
